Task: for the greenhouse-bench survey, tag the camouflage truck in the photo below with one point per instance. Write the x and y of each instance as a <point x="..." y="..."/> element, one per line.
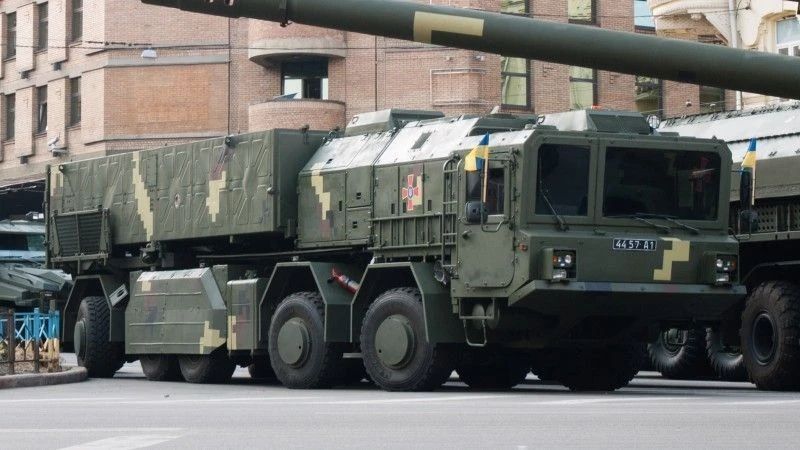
<point x="767" y="349"/>
<point x="24" y="282"/>
<point x="406" y="247"/>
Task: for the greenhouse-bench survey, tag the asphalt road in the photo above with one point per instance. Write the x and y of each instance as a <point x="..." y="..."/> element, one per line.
<point x="130" y="412"/>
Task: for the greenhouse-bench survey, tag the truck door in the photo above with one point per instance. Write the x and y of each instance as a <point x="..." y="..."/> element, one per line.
<point x="485" y="244"/>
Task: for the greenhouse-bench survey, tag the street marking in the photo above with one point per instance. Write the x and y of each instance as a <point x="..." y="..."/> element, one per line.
<point x="586" y="401"/>
<point x="126" y="442"/>
<point x="168" y="401"/>
<point x="64" y="400"/>
<point x="88" y="430"/>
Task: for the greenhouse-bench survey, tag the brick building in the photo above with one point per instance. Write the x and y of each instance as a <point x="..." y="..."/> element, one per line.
<point x="85" y="78"/>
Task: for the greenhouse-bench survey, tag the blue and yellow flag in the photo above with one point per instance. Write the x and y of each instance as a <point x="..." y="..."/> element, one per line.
<point x="749" y="161"/>
<point x="478" y="156"/>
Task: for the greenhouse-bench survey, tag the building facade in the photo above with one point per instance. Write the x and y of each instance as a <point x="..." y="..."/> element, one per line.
<point x="86" y="78"/>
<point x="765" y="25"/>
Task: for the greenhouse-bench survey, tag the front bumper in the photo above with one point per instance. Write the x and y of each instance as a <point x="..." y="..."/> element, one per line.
<point x="649" y="302"/>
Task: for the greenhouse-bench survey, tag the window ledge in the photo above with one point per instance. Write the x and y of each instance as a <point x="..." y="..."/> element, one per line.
<point x="40" y="134"/>
<point x="75" y="126"/>
<point x="10" y="58"/>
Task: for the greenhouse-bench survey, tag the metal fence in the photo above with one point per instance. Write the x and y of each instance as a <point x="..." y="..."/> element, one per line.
<point x="32" y="339"/>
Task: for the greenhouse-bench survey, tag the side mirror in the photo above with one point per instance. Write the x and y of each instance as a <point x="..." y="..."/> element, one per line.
<point x="745" y="189"/>
<point x="475" y="212"/>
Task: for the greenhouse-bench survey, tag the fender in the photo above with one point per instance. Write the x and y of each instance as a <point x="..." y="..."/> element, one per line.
<point x="785" y="270"/>
<point x="442" y="325"/>
<point x="110" y="287"/>
<point x="289" y="278"/>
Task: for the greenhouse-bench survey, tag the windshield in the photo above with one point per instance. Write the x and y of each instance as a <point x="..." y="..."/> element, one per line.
<point x="677" y="184"/>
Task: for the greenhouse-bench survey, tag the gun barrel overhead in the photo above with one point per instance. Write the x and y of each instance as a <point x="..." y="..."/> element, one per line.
<point x="523" y="37"/>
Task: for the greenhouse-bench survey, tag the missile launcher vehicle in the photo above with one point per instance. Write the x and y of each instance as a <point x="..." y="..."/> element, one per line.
<point x="405" y="247"/>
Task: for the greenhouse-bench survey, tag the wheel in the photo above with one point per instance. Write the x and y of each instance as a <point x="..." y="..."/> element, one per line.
<point x="161" y="367"/>
<point x="727" y="362"/>
<point x="297" y="348"/>
<point x="493" y="370"/>
<point x="260" y="369"/>
<point x="770" y="336"/>
<point x="215" y="367"/>
<point x="599" y="369"/>
<point x="680" y="354"/>
<point x="396" y="353"/>
<point x="543" y="364"/>
<point x="94" y="351"/>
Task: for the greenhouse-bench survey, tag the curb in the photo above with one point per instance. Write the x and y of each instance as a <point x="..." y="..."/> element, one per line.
<point x="72" y="375"/>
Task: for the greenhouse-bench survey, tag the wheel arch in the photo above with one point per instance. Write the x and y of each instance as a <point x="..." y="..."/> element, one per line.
<point x="773" y="271"/>
<point x="113" y="290"/>
<point x="441" y="323"/>
<point x="291" y="278"/>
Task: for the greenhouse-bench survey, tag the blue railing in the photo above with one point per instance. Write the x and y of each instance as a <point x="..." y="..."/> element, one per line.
<point x="32" y="325"/>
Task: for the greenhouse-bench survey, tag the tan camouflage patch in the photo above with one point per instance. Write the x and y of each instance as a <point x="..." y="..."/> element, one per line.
<point x="678" y="253"/>
<point x="142" y="197"/>
<point x="56" y="182"/>
<point x="211" y="338"/>
<point x="215" y="188"/>
<point x="232" y="333"/>
<point x="426" y="23"/>
<point x="317" y="182"/>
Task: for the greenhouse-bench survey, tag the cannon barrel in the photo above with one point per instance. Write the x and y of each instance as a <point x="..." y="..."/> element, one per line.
<point x="517" y="36"/>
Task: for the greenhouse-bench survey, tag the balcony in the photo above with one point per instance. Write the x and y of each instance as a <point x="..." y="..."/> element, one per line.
<point x="317" y="114"/>
<point x="268" y="41"/>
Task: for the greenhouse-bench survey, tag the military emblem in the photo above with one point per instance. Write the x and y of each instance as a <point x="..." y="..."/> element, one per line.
<point x="412" y="192"/>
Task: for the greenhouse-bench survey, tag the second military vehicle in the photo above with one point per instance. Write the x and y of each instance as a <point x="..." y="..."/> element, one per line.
<point x="409" y="246"/>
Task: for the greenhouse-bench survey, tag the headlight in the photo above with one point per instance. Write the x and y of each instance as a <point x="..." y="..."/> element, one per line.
<point x="559" y="265"/>
<point x="725" y="269"/>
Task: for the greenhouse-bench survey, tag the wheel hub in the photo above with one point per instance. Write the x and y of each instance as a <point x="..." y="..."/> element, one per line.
<point x="293" y="342"/>
<point x="764" y="339"/>
<point x="79" y="338"/>
<point x="674" y="340"/>
<point x="394" y="341"/>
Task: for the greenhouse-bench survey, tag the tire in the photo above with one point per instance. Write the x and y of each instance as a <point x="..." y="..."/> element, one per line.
<point x="681" y="362"/>
<point x="260" y="369"/>
<point x="770" y="336"/>
<point x="161" y="367"/>
<point x="599" y="369"/>
<point x="727" y="363"/>
<point x="204" y="369"/>
<point x="299" y="322"/>
<point x="94" y="351"/>
<point x="495" y="371"/>
<point x="414" y="364"/>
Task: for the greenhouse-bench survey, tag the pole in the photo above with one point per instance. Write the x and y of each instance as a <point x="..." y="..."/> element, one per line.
<point x="11" y="334"/>
<point x="733" y="17"/>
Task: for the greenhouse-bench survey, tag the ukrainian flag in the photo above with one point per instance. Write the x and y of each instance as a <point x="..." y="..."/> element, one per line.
<point x="478" y="156"/>
<point x="749" y="161"/>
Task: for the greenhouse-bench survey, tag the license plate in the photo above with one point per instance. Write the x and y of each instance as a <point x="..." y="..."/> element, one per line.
<point x="635" y="245"/>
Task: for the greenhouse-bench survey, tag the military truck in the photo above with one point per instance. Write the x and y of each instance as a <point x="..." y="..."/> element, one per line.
<point x="769" y="349"/>
<point x="24" y="282"/>
<point x="389" y="250"/>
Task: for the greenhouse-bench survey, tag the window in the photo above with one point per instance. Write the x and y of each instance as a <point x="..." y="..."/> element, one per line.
<point x="516" y="75"/>
<point x="11" y="35"/>
<point x="41" y="109"/>
<point x="582" y="87"/>
<point x="77" y="20"/>
<point x="788" y="37"/>
<point x="515" y="72"/>
<point x="649" y="95"/>
<point x="495" y="190"/>
<point x="712" y="99"/>
<point x="642" y="16"/>
<point x="74" y="101"/>
<point x="306" y="79"/>
<point x="563" y="180"/>
<point x="678" y="184"/>
<point x="581" y="11"/>
<point x="10" y="115"/>
<point x="41" y="43"/>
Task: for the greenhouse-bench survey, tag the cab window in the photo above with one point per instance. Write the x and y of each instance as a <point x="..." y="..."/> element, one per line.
<point x="495" y="190"/>
<point x="563" y="180"/>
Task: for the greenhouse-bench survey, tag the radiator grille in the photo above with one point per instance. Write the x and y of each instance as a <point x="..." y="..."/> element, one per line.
<point x="81" y="233"/>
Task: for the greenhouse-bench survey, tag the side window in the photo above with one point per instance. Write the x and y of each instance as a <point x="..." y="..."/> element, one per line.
<point x="495" y="190"/>
<point x="563" y="180"/>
